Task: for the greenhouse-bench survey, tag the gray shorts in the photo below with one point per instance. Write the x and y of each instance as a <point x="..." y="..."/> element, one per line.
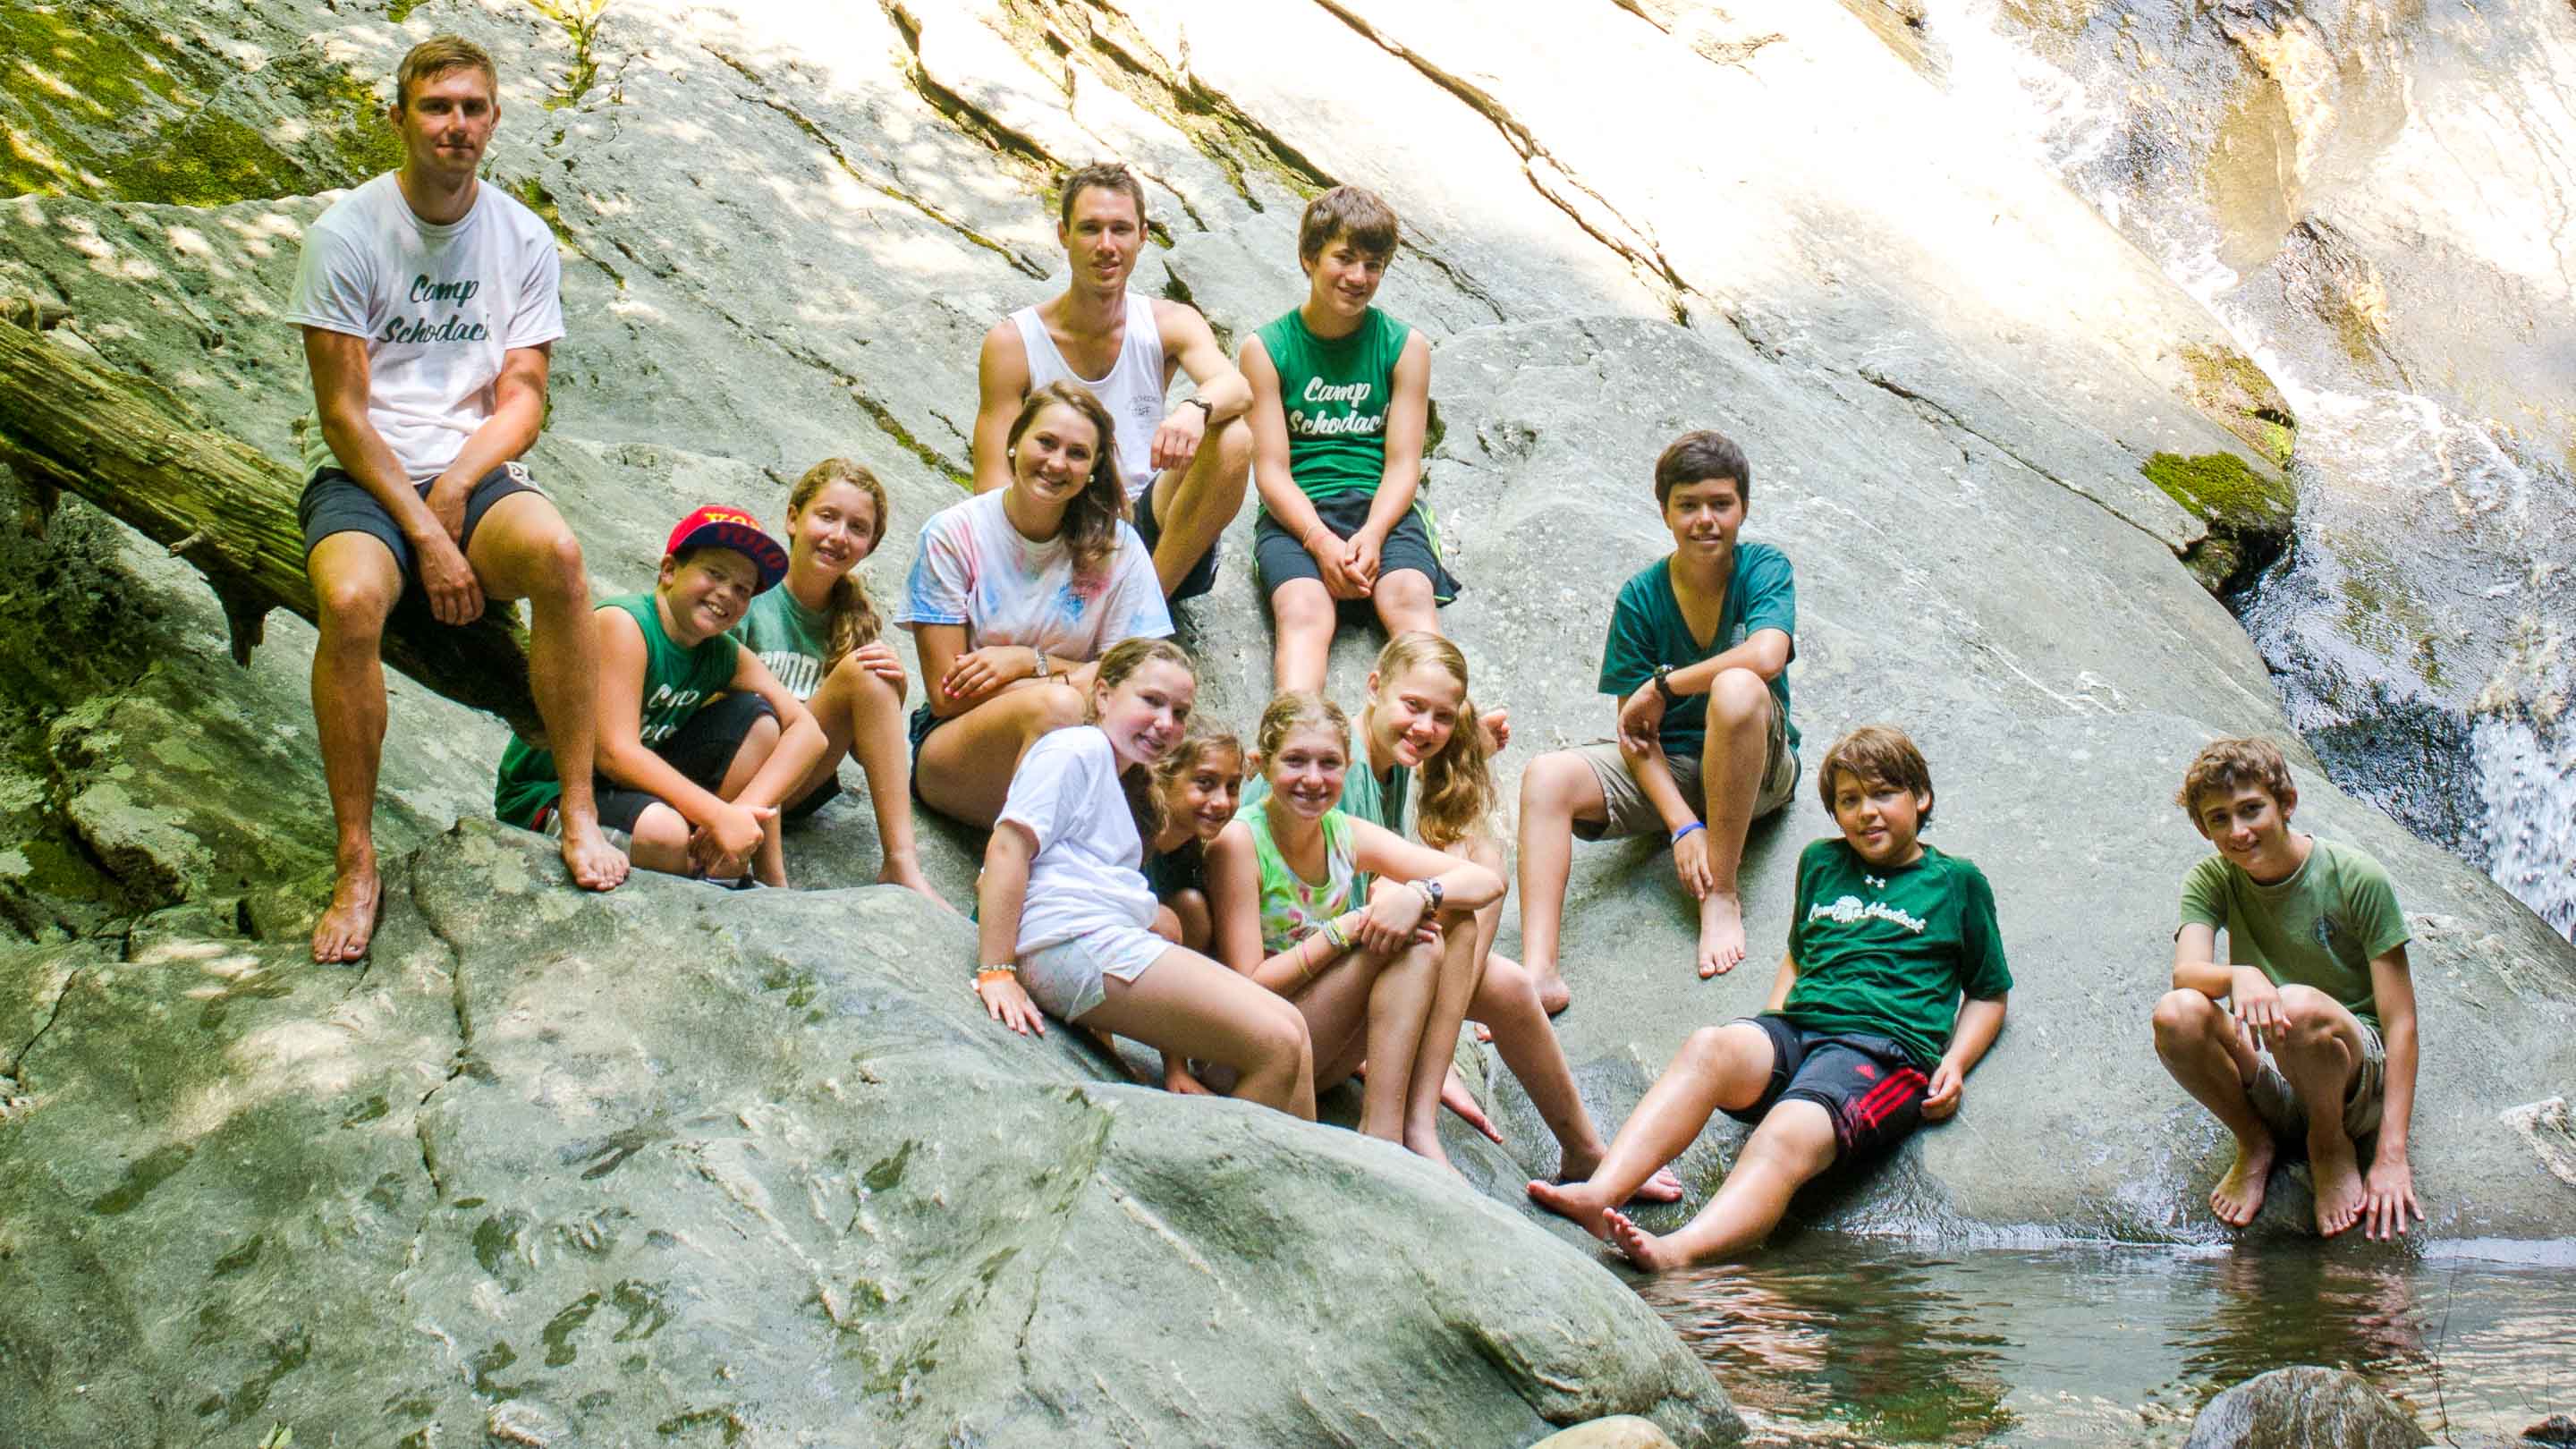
<point x="2282" y="1111"/>
<point x="1068" y="978"/>
<point x="1628" y="812"/>
<point x="334" y="502"/>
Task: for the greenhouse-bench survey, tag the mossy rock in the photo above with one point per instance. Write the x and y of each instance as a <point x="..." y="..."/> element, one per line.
<point x="105" y="106"/>
<point x="2237" y="394"/>
<point x="2250" y="512"/>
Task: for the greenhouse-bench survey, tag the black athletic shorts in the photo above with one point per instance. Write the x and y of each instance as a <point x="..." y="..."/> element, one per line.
<point x="917" y="732"/>
<point x="1867" y="1084"/>
<point x="1202" y="575"/>
<point x="334" y="502"/>
<point x="702" y="749"/>
<point x="1278" y="557"/>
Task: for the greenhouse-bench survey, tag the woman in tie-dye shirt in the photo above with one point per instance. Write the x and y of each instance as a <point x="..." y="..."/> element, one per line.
<point x="1014" y="594"/>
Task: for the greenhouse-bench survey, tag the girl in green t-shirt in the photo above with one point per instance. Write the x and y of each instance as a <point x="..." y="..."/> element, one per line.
<point x="1382" y="975"/>
<point x="820" y="633"/>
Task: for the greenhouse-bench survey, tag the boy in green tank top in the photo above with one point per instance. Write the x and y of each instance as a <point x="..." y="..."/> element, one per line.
<point x="698" y="742"/>
<point x="2317" y="1043"/>
<point x="1341" y="396"/>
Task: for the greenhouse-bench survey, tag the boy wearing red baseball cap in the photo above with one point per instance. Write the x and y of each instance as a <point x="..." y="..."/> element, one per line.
<point x="698" y="742"/>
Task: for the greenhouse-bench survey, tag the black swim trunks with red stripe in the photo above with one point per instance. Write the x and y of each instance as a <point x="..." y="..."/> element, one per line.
<point x="1867" y="1084"/>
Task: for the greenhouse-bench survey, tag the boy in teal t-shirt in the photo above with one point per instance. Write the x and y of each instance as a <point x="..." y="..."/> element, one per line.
<point x="1893" y="987"/>
<point x="1341" y="398"/>
<point x="1698" y="658"/>
<point x="2318" y="1046"/>
<point x="698" y="742"/>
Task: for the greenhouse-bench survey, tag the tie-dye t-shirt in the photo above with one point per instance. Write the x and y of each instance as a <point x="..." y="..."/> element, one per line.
<point x="974" y="568"/>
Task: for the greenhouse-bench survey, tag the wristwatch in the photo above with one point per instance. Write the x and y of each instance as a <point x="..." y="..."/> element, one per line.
<point x="1042" y="664"/>
<point x="1664" y="686"/>
<point x="1206" y="409"/>
<point x="1430" y="888"/>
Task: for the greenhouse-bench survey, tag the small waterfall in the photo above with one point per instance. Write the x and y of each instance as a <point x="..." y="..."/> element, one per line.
<point x="2418" y="627"/>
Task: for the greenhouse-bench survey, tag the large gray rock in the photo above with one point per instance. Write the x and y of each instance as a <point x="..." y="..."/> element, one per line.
<point x="721" y="1164"/>
<point x="2305" y="1408"/>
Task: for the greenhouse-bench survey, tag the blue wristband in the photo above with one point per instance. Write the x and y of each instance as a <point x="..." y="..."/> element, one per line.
<point x="1687" y="829"/>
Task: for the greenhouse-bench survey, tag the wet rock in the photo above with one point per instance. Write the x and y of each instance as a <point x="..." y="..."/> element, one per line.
<point x="2305" y="1408"/>
<point x="2556" y="1429"/>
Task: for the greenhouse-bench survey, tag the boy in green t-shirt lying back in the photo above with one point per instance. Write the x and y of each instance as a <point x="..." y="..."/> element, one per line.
<point x="698" y="742"/>
<point x="2319" y="1047"/>
<point x="1893" y="987"/>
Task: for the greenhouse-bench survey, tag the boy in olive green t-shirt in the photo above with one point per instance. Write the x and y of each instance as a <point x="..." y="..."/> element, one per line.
<point x="2320" y="1045"/>
<point x="1893" y="987"/>
<point x="1341" y="400"/>
<point x="697" y="740"/>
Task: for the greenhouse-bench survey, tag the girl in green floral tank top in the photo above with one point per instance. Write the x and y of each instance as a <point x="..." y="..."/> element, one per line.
<point x="1384" y="979"/>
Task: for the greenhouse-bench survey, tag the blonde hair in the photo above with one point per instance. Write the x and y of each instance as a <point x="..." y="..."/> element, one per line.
<point x="1144" y="797"/>
<point x="1091" y="520"/>
<point x="1458" y="792"/>
<point x="852" y="620"/>
<point x="1294" y="711"/>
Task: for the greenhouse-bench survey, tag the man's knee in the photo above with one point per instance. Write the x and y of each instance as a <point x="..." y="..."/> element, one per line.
<point x="1737" y="696"/>
<point x="556" y="573"/>
<point x="354" y="603"/>
<point x="1230" y="449"/>
<point x="1550" y="783"/>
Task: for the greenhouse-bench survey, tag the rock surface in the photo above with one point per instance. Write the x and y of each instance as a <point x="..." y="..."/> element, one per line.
<point x="785" y="228"/>
<point x="2305" y="1408"/>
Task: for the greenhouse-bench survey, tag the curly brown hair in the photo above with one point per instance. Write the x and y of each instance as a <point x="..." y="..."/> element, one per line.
<point x="2225" y="766"/>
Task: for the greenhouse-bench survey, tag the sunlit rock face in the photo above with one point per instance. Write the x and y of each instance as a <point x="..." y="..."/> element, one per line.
<point x="542" y="1139"/>
<point x="2367" y="196"/>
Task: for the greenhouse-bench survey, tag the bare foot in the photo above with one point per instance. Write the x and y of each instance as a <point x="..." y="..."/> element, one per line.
<point x="1455" y="1096"/>
<point x="349" y="922"/>
<point x="908" y="875"/>
<point x="1553" y="996"/>
<point x="2239" y="1195"/>
<point x="1639" y="1246"/>
<point x="2337" y="1180"/>
<point x="1575" y="1200"/>
<point x="1664" y="1186"/>
<point x="1427" y="1145"/>
<point x="1721" y="933"/>
<point x="595" y="864"/>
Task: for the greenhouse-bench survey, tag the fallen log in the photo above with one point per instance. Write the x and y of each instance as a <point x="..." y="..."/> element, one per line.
<point x="149" y="457"/>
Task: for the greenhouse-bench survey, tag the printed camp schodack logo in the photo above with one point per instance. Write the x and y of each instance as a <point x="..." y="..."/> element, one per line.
<point x="1851" y="910"/>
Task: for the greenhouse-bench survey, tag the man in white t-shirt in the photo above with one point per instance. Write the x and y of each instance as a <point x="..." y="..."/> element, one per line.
<point x="1186" y="466"/>
<point x="429" y="308"/>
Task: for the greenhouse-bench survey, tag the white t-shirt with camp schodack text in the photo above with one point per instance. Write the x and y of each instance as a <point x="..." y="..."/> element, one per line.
<point x="1086" y="874"/>
<point x="438" y="307"/>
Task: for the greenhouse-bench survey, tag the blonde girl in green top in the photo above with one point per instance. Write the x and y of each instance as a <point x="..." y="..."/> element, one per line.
<point x="822" y="636"/>
<point x="1381" y="970"/>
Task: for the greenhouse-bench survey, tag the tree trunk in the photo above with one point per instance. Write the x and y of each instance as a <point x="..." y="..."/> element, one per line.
<point x="150" y="458"/>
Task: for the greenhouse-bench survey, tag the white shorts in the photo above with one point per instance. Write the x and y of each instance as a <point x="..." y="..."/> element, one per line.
<point x="1065" y="979"/>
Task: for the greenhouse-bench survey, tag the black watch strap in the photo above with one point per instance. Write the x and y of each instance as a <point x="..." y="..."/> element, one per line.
<point x="1664" y="685"/>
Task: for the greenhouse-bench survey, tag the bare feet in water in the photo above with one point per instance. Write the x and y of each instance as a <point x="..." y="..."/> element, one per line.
<point x="1721" y="933"/>
<point x="2239" y="1195"/>
<point x="1639" y="1246"/>
<point x="2337" y="1179"/>
<point x="349" y="922"/>
<point x="594" y="864"/>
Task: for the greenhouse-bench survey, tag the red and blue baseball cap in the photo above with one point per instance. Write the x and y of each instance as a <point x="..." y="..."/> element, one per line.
<point x="718" y="526"/>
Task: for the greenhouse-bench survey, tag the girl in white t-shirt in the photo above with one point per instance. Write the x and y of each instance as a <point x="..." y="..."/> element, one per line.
<point x="1064" y="912"/>
<point x="1014" y="593"/>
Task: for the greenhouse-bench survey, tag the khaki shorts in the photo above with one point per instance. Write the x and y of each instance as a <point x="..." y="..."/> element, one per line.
<point x="2278" y="1102"/>
<point x="1629" y="812"/>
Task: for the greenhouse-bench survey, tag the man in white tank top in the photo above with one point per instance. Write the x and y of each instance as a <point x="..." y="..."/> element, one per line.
<point x="1186" y="466"/>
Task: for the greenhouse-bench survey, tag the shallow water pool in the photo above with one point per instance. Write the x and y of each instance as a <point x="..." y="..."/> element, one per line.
<point x="1887" y="1344"/>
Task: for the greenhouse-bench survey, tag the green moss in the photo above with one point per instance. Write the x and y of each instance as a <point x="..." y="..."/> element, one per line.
<point x="2228" y="386"/>
<point x="579" y="21"/>
<point x="2224" y="489"/>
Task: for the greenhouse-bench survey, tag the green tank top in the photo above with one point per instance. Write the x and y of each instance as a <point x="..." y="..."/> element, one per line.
<point x="677" y="680"/>
<point x="1335" y="392"/>
<point x="1292" y="907"/>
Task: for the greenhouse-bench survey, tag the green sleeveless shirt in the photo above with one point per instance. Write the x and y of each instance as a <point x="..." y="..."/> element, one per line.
<point x="677" y="680"/>
<point x="1335" y="392"/>
<point x="1292" y="907"/>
